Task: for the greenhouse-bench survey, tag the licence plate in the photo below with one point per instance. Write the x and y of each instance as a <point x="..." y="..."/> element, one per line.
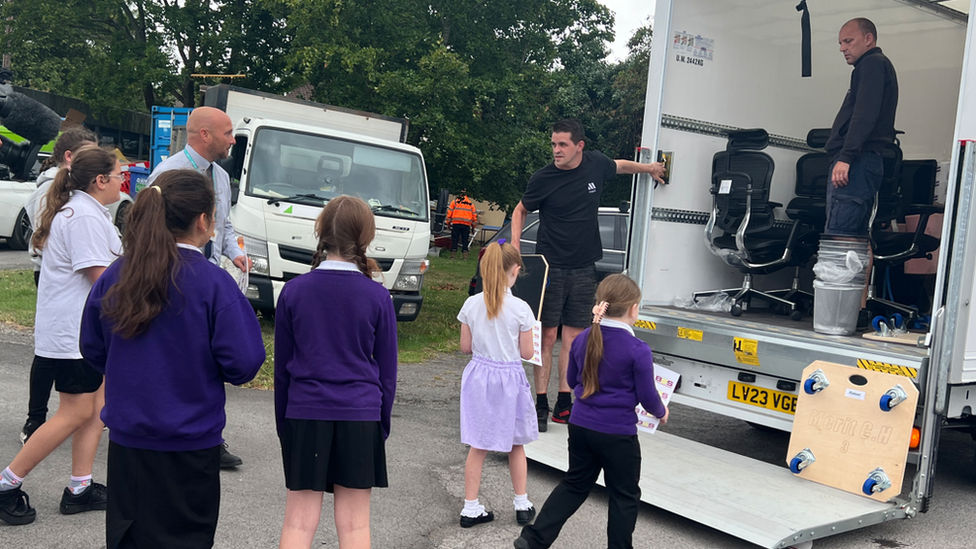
<point x="762" y="398"/>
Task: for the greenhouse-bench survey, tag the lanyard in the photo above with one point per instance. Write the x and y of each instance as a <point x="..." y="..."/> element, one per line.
<point x="197" y="168"/>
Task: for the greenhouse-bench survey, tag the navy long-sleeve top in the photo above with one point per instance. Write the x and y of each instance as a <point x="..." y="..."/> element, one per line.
<point x="164" y="389"/>
<point x="866" y="120"/>
<point x="626" y="377"/>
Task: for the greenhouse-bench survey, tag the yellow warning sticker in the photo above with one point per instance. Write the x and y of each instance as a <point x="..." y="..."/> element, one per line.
<point x="646" y="325"/>
<point x="876" y="366"/>
<point x="688" y="333"/>
<point x="746" y="351"/>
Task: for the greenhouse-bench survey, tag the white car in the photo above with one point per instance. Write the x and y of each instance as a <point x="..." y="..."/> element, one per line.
<point x="14" y="224"/>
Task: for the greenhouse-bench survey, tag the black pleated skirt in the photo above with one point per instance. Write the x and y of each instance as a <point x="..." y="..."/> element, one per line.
<point x="317" y="455"/>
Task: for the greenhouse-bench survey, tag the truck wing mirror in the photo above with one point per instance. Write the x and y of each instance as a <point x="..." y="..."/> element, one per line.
<point x="235" y="191"/>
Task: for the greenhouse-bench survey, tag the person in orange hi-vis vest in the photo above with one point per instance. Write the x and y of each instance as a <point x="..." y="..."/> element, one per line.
<point x="462" y="217"/>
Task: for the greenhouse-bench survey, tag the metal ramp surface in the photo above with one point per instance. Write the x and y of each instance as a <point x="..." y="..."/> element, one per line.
<point x="749" y="499"/>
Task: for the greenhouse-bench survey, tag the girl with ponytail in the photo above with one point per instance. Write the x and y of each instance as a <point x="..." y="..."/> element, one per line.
<point x="497" y="412"/>
<point x="167" y="328"/>
<point x="335" y="379"/>
<point x="611" y="371"/>
<point x="79" y="242"/>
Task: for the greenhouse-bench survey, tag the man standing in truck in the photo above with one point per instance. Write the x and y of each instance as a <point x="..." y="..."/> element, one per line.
<point x="567" y="195"/>
<point x="209" y="137"/>
<point x="864" y="126"/>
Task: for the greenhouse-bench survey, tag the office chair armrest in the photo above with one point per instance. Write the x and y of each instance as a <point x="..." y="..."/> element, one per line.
<point x="774" y="204"/>
<point x="926" y="209"/>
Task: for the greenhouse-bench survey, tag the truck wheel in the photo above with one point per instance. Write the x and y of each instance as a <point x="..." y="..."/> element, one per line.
<point x="120" y="216"/>
<point x="22" y="232"/>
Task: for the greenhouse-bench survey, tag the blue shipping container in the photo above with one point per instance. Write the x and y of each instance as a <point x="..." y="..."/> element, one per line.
<point x="164" y="120"/>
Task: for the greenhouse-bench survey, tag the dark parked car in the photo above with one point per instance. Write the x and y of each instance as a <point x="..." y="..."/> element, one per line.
<point x="613" y="233"/>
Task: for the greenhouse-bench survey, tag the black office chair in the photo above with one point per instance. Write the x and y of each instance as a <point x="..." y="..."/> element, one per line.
<point x="751" y="242"/>
<point x="890" y="248"/>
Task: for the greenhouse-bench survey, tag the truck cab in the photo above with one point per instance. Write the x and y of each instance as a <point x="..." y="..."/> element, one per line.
<point x="291" y="157"/>
<point x="283" y="174"/>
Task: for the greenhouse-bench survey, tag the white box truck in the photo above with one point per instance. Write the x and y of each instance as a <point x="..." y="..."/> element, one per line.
<point x="719" y="66"/>
<point x="291" y="157"/>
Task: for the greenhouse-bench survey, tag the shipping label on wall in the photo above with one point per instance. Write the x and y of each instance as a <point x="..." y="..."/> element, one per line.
<point x="692" y="49"/>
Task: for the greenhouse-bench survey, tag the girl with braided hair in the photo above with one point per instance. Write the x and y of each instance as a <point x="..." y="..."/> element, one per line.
<point x="335" y="378"/>
<point x="610" y="371"/>
<point x="79" y="241"/>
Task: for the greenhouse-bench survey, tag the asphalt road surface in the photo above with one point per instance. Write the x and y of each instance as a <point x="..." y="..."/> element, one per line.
<point x="426" y="464"/>
<point x="13" y="259"/>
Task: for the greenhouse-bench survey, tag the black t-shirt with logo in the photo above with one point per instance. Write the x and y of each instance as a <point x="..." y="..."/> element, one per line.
<point x="568" y="202"/>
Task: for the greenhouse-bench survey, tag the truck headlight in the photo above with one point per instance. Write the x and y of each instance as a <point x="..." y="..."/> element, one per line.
<point x="257" y="251"/>
<point x="411" y="277"/>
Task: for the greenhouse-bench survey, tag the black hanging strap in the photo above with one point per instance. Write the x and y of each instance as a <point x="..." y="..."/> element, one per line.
<point x="805" y="38"/>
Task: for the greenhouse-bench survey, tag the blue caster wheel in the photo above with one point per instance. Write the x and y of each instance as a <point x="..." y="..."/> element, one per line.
<point x="877" y="321"/>
<point x="795" y="465"/>
<point x="897" y="321"/>
<point x="886" y="402"/>
<point x="808" y="386"/>
<point x="868" y="487"/>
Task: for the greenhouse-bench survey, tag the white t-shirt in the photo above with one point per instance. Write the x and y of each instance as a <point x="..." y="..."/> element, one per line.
<point x="498" y="338"/>
<point x="82" y="236"/>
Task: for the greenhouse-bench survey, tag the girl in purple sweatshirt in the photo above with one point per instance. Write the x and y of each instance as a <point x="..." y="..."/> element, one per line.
<point x="611" y="371"/>
<point x="335" y="378"/>
<point x="168" y="329"/>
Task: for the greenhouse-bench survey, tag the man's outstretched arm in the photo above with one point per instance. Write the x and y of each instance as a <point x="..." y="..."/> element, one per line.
<point x="656" y="169"/>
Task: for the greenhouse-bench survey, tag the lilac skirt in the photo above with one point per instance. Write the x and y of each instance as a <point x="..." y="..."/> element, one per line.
<point x="497" y="411"/>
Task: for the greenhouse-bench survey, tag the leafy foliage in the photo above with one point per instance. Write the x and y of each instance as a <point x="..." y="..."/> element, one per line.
<point x="479" y="81"/>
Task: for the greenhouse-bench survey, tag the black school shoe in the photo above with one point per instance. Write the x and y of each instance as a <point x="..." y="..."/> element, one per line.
<point x="227" y="459"/>
<point x="543" y="413"/>
<point x="561" y="415"/>
<point x="94" y="498"/>
<point x="468" y="522"/>
<point x="15" y="507"/>
<point x="523" y="517"/>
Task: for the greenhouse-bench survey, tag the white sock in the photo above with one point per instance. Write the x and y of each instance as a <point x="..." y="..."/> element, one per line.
<point x="9" y="481"/>
<point x="79" y="484"/>
<point x="472" y="508"/>
<point x="522" y="502"/>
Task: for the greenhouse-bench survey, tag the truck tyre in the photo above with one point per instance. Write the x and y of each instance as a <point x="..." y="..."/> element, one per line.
<point x="120" y="216"/>
<point x="22" y="232"/>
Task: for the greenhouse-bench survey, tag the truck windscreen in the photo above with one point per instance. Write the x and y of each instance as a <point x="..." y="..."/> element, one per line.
<point x="306" y="168"/>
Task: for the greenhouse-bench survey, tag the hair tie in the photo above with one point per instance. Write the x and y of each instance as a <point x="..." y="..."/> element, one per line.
<point x="158" y="190"/>
<point x="501" y="241"/>
<point x="599" y="310"/>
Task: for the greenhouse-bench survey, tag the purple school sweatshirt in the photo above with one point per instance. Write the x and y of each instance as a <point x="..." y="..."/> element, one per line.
<point x="626" y="376"/>
<point x="335" y="349"/>
<point x="164" y="389"/>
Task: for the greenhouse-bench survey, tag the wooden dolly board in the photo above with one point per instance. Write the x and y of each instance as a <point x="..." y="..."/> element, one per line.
<point x="908" y="338"/>
<point x="849" y="434"/>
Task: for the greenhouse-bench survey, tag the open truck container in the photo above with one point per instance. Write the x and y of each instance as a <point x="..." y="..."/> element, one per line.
<point x="749" y="76"/>
<point x="291" y="157"/>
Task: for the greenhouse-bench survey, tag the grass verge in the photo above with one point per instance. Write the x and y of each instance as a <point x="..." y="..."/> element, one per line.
<point x="437" y="330"/>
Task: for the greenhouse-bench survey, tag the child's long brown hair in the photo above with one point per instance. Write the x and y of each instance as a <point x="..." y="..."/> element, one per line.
<point x="86" y="166"/>
<point x="495" y="264"/>
<point x="72" y="141"/>
<point x="161" y="214"/>
<point x="345" y="228"/>
<point x="621" y="293"/>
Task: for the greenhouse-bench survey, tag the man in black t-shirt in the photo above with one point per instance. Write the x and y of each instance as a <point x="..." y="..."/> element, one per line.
<point x="567" y="195"/>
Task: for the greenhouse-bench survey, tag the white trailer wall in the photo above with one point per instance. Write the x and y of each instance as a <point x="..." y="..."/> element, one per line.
<point x="752" y="80"/>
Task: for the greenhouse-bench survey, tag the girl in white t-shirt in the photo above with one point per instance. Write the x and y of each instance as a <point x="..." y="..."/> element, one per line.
<point x="79" y="241"/>
<point x="497" y="412"/>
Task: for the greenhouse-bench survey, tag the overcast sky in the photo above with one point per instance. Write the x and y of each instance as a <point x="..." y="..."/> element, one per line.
<point x="629" y="15"/>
